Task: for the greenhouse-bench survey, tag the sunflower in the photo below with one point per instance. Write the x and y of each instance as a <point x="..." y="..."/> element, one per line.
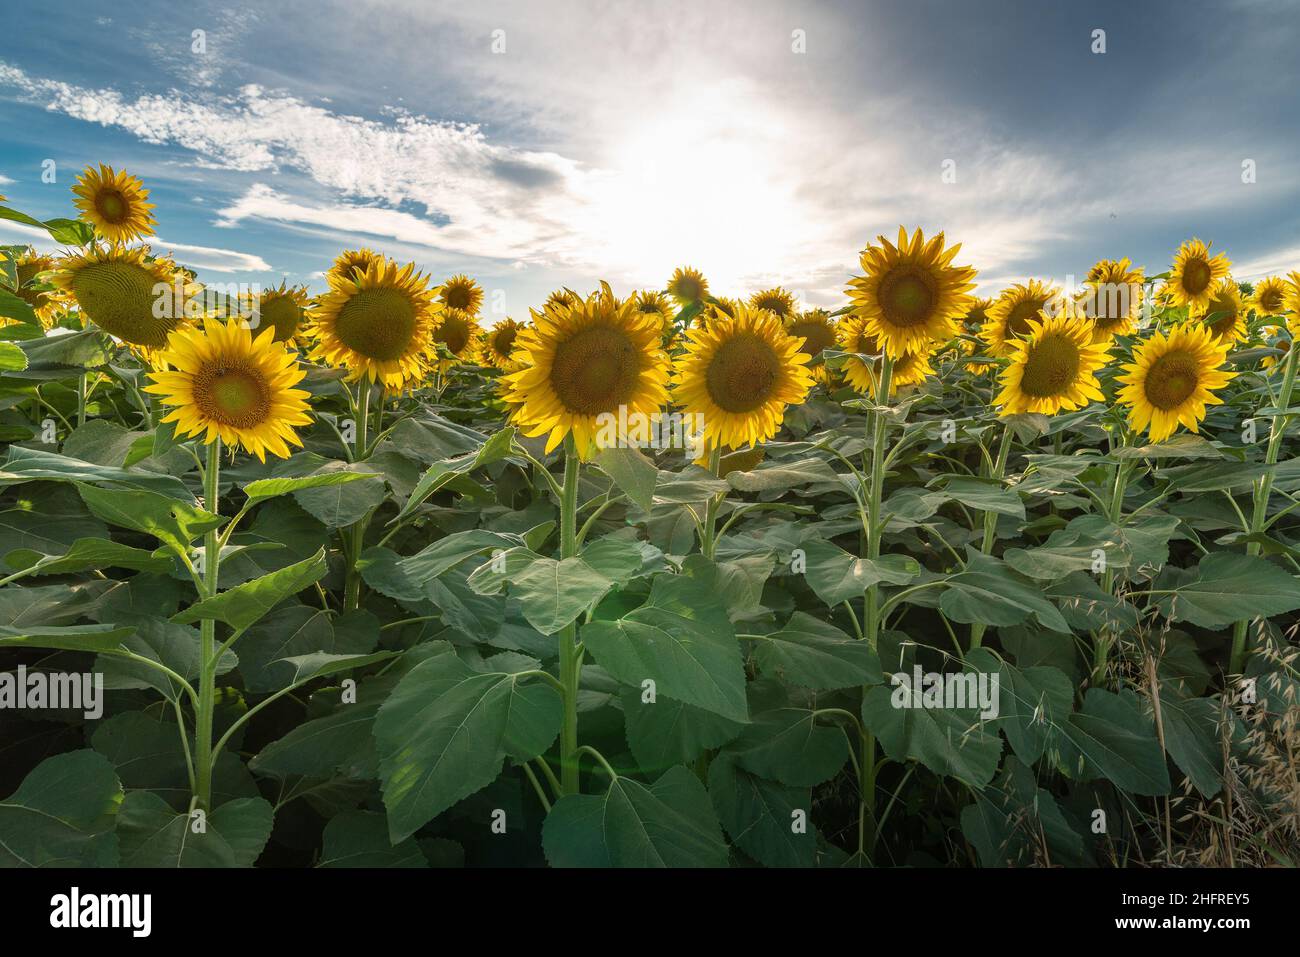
<point x="740" y="375"/>
<point x="582" y="360"/>
<point x="1268" y="362"/>
<point x="1112" y="300"/>
<point x="461" y="292"/>
<point x="1227" y="312"/>
<point x="1270" y="295"/>
<point x="911" y="368"/>
<point x="225" y="383"/>
<point x="817" y="330"/>
<point x="1009" y="317"/>
<point x="654" y="303"/>
<point x="687" y="285"/>
<point x="977" y="314"/>
<point x="716" y="309"/>
<point x="285" y="309"/>
<point x="776" y="299"/>
<point x="1193" y="276"/>
<point x="1053" y="368"/>
<point x="352" y="261"/>
<point x="457" y="331"/>
<point x="1171" y="380"/>
<point x="911" y="294"/>
<point x="115" y="203"/>
<point x="497" y="345"/>
<point x="561" y="297"/>
<point x="45" y="303"/>
<point x="377" y="324"/>
<point x="137" y="299"/>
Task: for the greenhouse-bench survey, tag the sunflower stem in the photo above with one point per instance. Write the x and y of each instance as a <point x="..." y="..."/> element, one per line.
<point x="709" y="543"/>
<point x="1262" y="492"/>
<point x="570" y="656"/>
<point x="875" y="529"/>
<point x="357" y="531"/>
<point x="203" y="756"/>
<point x="997" y="473"/>
<point x="1115" y="513"/>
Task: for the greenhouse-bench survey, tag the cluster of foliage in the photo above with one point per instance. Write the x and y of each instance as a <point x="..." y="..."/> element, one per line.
<point x="370" y="584"/>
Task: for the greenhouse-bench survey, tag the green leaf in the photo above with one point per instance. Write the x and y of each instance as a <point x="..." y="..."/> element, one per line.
<point x="446" y="731"/>
<point x="432" y="560"/>
<point x="815" y="654"/>
<point x="760" y="815"/>
<point x="86" y="554"/>
<point x="12" y="358"/>
<point x="440" y="473"/>
<point x="173" y="522"/>
<point x="836" y="576"/>
<point x="360" y="839"/>
<point x="1033" y="703"/>
<point x="1193" y="739"/>
<point x="1111" y="738"/>
<point x="1182" y="446"/>
<point x="33" y="465"/>
<point x="154" y="835"/>
<point x="295" y="630"/>
<point x="791" y="746"/>
<point x="664" y="732"/>
<point x="1232" y="587"/>
<point x="781" y="476"/>
<point x="954" y="742"/>
<point x="989" y="593"/>
<point x="62" y="814"/>
<point x="1013" y="822"/>
<point x="985" y="496"/>
<point x="682" y="640"/>
<point x="632" y="472"/>
<point x="668" y="824"/>
<point x="338" y="504"/>
<point x="338" y="743"/>
<point x="553" y="593"/>
<point x="95" y="638"/>
<point x="263" y="489"/>
<point x="244" y="604"/>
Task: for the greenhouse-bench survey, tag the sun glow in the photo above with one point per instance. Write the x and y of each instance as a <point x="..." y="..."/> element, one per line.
<point x="702" y="186"/>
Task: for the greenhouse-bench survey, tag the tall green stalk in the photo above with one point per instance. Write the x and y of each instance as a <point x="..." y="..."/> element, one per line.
<point x="875" y="530"/>
<point x="207" y="691"/>
<point x="997" y="472"/>
<point x="709" y="534"/>
<point x="357" y="531"/>
<point x="1262" y="491"/>
<point x="1105" y="639"/>
<point x="570" y="653"/>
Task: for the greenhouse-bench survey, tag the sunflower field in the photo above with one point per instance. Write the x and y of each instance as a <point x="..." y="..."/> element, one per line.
<point x="370" y="578"/>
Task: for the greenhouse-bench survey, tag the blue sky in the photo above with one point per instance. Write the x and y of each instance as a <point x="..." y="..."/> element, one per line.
<point x="614" y="141"/>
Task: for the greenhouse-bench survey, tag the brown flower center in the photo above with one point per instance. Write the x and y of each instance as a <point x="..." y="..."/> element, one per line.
<point x="377" y="323"/>
<point x="234" y="394"/>
<point x="595" y="370"/>
<point x="112" y="206"/>
<point x="816" y="336"/>
<point x="742" y="374"/>
<point x="282" y="313"/>
<point x="1196" y="276"/>
<point x="908" y="296"/>
<point x="1051" y="367"/>
<point x="1171" y="380"/>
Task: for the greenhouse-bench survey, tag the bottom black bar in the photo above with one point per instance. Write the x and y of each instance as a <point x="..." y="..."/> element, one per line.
<point x="337" y="907"/>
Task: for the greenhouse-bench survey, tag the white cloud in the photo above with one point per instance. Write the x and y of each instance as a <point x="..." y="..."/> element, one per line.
<point x="210" y="258"/>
